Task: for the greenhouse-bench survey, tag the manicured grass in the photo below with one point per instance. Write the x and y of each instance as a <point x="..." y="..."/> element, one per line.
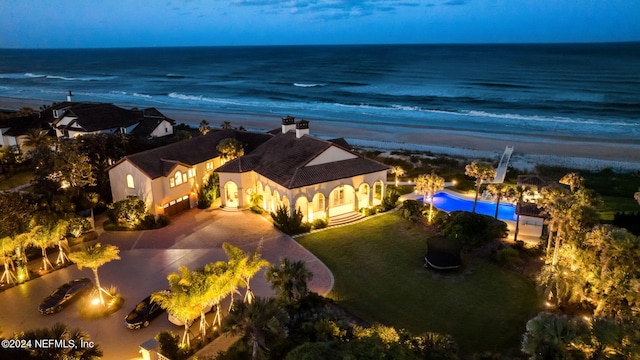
<point x="16" y="179"/>
<point x="614" y="204"/>
<point x="379" y="276"/>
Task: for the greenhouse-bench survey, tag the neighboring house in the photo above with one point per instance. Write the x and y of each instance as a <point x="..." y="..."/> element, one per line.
<point x="321" y="178"/>
<point x="71" y="119"/>
<point x="167" y="178"/>
<point x="14" y="131"/>
<point x="532" y="217"/>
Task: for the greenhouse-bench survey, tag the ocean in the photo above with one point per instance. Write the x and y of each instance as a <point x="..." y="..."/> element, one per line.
<point x="564" y="90"/>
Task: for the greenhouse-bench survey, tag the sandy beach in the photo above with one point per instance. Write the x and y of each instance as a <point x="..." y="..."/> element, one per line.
<point x="582" y="153"/>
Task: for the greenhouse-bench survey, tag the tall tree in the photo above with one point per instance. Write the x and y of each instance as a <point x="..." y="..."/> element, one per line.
<point x="226" y="125"/>
<point x="184" y="300"/>
<point x="7" y="246"/>
<point x="37" y="137"/>
<point x="58" y="332"/>
<point x="574" y="181"/>
<point x="230" y="149"/>
<point x="257" y="323"/>
<point x="93" y="257"/>
<point x="429" y="185"/>
<point x="204" y="127"/>
<point x="481" y="172"/>
<point x="41" y="237"/>
<point x="290" y="279"/>
<point x="245" y="266"/>
<point x="397" y="171"/>
<point x="556" y="202"/>
<point x="520" y="193"/>
<point x="500" y="190"/>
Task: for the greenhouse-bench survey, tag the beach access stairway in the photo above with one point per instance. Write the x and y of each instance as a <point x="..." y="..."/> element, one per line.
<point x="501" y="171"/>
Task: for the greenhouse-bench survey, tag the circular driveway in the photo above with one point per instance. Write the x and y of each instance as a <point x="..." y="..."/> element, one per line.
<point x="194" y="238"/>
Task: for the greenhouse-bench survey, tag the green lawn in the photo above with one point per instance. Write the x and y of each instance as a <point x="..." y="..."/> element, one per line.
<point x="613" y="204"/>
<point x="16" y="179"/>
<point x="379" y="275"/>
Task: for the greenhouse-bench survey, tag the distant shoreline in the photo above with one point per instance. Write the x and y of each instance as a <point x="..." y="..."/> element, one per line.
<point x="581" y="153"/>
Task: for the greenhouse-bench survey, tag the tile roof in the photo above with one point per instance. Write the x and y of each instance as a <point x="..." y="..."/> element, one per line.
<point x="160" y="161"/>
<point x="283" y="159"/>
<point x="19" y="125"/>
<point x="102" y="116"/>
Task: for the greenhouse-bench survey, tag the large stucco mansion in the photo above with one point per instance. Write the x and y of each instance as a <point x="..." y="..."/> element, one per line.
<point x="287" y="166"/>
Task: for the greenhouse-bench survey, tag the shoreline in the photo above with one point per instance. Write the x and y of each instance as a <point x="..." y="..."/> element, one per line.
<point x="529" y="150"/>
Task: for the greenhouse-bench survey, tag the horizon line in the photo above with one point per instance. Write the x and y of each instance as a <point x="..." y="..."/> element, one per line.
<point x="328" y="44"/>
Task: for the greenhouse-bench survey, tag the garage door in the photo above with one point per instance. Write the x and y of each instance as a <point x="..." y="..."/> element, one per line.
<point x="176" y="206"/>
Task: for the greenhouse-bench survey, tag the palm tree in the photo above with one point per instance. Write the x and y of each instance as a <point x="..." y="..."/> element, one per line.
<point x="204" y="127"/>
<point x="549" y="336"/>
<point x="397" y="171"/>
<point x="557" y="202"/>
<point x="184" y="300"/>
<point x="429" y="185"/>
<point x="58" y="234"/>
<point x="230" y="149"/>
<point x="41" y="237"/>
<point x="257" y="323"/>
<point x="637" y="196"/>
<point x="58" y="332"/>
<point x="245" y="266"/>
<point x="500" y="190"/>
<point x="574" y="181"/>
<point x="481" y="172"/>
<point x="226" y="125"/>
<point x="290" y="279"/>
<point x="221" y="280"/>
<point x="7" y="245"/>
<point x="37" y="137"/>
<point x="22" y="241"/>
<point x="93" y="257"/>
<point x="519" y="193"/>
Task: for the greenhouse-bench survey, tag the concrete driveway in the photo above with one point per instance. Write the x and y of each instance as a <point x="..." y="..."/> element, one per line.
<point x="194" y="238"/>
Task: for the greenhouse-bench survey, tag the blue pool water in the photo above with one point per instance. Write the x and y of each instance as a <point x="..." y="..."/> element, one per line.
<point x="447" y="202"/>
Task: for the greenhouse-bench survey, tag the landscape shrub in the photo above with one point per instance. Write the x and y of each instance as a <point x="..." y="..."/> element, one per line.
<point x="127" y="213"/>
<point x="169" y="344"/>
<point x="507" y="256"/>
<point x="473" y="229"/>
<point x="256" y="209"/>
<point x="412" y="210"/>
<point x="390" y="199"/>
<point x="209" y="191"/>
<point x="319" y="224"/>
<point x="290" y="225"/>
<point x="78" y="226"/>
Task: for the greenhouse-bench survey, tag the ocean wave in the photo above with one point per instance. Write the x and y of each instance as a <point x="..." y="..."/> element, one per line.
<point x="307" y="85"/>
<point x="142" y="95"/>
<point x="64" y="78"/>
<point x="202" y="98"/>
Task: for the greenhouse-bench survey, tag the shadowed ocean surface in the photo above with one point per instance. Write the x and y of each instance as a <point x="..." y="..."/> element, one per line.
<point x="574" y="90"/>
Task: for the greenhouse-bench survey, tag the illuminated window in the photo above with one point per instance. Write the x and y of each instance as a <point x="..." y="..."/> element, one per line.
<point x="192" y="173"/>
<point x="172" y="182"/>
<point x="178" y="177"/>
<point x="130" y="183"/>
<point x="209" y="166"/>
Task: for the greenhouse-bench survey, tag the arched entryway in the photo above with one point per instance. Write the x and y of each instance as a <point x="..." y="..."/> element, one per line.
<point x="378" y="193"/>
<point x="317" y="208"/>
<point x="231" y="194"/>
<point x="364" y="196"/>
<point x="342" y="200"/>
<point x="303" y="204"/>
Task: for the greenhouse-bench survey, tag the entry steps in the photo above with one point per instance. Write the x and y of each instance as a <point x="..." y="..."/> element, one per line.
<point x="345" y="218"/>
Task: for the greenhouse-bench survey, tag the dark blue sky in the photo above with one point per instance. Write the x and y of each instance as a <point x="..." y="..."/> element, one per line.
<point x="127" y="23"/>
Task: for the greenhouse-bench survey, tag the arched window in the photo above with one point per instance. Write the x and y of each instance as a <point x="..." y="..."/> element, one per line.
<point x="130" y="183"/>
<point x="178" y="178"/>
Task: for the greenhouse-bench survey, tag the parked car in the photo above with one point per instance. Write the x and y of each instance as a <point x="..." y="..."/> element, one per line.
<point x="143" y="313"/>
<point x="64" y="294"/>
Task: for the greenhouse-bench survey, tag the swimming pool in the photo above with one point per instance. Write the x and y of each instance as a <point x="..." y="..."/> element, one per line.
<point x="447" y="202"/>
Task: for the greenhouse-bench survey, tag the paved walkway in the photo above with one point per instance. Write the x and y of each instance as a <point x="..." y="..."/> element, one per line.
<point x="194" y="238"/>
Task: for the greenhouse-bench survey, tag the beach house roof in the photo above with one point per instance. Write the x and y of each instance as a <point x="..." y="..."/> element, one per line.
<point x="295" y="162"/>
<point x="160" y="161"/>
<point x="91" y="117"/>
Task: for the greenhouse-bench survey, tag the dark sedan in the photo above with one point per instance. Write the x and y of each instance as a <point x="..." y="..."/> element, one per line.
<point x="64" y="294"/>
<point x="143" y="313"/>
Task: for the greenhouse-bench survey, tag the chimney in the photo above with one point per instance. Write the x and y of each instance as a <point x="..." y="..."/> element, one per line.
<point x="69" y="96"/>
<point x="288" y="123"/>
<point x="302" y="128"/>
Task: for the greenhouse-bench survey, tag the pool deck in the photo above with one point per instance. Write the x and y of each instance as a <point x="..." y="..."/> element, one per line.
<point x="511" y="224"/>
